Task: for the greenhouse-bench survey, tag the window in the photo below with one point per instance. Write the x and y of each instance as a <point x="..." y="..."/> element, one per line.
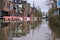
<point x="11" y="0"/>
<point x="15" y="0"/>
<point x="24" y="0"/>
<point x="20" y="1"/>
<point x="5" y="4"/>
<point x="11" y="6"/>
<point x="16" y="8"/>
<point x="0" y="13"/>
<point x="20" y="6"/>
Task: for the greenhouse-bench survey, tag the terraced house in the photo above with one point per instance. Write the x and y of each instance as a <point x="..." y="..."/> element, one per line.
<point x="4" y="7"/>
<point x="12" y="8"/>
<point x="4" y="11"/>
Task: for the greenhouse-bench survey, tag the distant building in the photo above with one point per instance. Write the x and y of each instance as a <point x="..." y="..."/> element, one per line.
<point x="45" y="14"/>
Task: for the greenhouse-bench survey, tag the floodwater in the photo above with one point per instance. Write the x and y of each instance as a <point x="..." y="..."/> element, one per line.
<point x="35" y="30"/>
<point x="41" y="32"/>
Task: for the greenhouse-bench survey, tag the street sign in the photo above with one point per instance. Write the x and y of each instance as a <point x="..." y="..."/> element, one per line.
<point x="58" y="3"/>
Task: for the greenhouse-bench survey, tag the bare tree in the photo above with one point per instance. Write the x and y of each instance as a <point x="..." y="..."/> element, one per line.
<point x="53" y="6"/>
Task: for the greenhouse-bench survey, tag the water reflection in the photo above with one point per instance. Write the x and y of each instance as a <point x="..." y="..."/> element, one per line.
<point x="24" y="28"/>
<point x="17" y="29"/>
<point x="55" y="30"/>
<point x="37" y="32"/>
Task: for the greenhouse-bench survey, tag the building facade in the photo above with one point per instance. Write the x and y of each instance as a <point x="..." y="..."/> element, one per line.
<point x="4" y="9"/>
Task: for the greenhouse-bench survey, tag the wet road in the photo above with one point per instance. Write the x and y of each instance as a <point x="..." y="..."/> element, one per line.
<point x="41" y="32"/>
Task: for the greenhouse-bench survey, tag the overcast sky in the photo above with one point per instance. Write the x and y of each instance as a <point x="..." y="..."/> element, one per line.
<point x="41" y="4"/>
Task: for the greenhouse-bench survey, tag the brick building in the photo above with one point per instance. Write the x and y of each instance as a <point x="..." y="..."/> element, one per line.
<point x="4" y="8"/>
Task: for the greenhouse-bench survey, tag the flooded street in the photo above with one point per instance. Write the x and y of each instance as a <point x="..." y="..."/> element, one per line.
<point x="29" y="20"/>
<point x="41" y="32"/>
<point x="35" y="30"/>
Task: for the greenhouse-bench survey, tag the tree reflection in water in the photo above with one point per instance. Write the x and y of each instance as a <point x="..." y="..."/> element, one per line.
<point x="18" y="29"/>
<point x="25" y="27"/>
<point x="55" y="27"/>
